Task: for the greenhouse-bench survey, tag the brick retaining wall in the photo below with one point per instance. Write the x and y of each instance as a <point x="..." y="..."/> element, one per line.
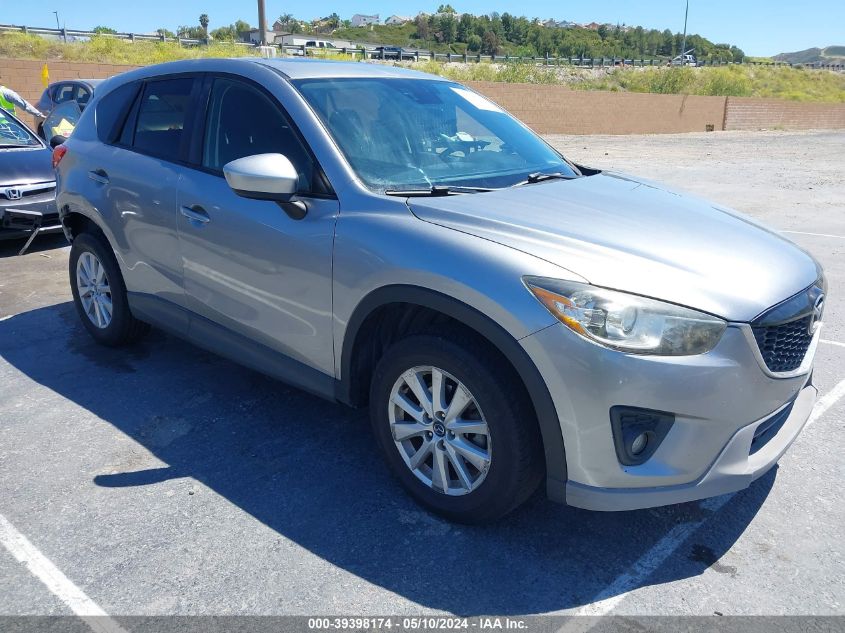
<point x="550" y="109"/>
<point x="754" y="114"/>
<point x="24" y="76"/>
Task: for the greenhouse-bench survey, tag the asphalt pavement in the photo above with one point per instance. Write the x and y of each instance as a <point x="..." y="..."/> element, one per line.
<point x="166" y="480"/>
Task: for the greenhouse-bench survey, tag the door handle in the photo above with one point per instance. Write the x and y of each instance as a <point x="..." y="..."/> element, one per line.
<point x="196" y="214"/>
<point x="100" y="176"/>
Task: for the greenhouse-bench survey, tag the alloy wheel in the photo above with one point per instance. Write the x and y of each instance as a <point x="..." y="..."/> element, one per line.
<point x="92" y="284"/>
<point x="440" y="431"/>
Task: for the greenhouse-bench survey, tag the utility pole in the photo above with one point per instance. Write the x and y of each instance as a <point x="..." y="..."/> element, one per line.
<point x="684" y="45"/>
<point x="262" y="23"/>
<point x="56" y="13"/>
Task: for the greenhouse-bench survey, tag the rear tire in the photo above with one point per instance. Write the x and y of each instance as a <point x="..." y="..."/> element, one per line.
<point x="496" y="430"/>
<point x="99" y="293"/>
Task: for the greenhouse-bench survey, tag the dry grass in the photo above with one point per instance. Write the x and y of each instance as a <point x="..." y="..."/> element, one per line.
<point x="103" y="49"/>
<point x="751" y="81"/>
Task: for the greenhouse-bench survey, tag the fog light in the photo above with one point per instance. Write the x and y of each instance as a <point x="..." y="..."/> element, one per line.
<point x="639" y="444"/>
<point x="637" y="433"/>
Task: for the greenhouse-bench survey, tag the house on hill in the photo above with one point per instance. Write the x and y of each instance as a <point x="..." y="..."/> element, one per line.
<point x="364" y="20"/>
<point x="397" y="19"/>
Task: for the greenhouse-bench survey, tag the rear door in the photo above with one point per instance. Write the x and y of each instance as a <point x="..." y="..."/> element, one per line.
<point x="248" y="266"/>
<point x="133" y="174"/>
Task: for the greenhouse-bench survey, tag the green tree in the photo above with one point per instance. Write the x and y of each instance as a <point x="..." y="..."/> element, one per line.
<point x="423" y="31"/>
<point x="204" y="23"/>
<point x="474" y="43"/>
<point x="667" y="46"/>
<point x="490" y="43"/>
<point x="446" y="8"/>
<point x="465" y="27"/>
<point x="231" y="33"/>
<point x="190" y="32"/>
<point x="104" y="29"/>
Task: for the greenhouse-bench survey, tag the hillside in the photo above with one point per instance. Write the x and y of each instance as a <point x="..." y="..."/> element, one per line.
<point x="506" y="34"/>
<point x="829" y="55"/>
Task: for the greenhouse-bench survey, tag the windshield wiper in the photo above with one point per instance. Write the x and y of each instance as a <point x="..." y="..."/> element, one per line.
<point x="435" y="191"/>
<point x="541" y="176"/>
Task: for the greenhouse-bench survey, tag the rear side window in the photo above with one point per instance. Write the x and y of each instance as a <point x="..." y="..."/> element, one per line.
<point x="161" y="117"/>
<point x="112" y="111"/>
<point x="64" y="92"/>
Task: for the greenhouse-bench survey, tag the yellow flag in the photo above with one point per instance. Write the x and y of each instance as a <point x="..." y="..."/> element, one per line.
<point x="45" y="75"/>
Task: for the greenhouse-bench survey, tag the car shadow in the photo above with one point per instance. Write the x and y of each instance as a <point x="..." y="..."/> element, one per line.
<point x="309" y="470"/>
<point x="10" y="247"/>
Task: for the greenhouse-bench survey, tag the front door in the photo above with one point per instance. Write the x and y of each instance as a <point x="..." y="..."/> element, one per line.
<point x="247" y="265"/>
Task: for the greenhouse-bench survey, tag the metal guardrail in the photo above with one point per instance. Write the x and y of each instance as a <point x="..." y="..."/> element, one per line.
<point x="374" y="52"/>
<point x="132" y="37"/>
<point x="377" y="53"/>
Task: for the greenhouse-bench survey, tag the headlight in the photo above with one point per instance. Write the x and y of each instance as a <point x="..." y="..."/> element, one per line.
<point x="628" y="322"/>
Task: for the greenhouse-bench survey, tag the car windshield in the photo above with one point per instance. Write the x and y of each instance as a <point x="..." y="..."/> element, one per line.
<point x="13" y="134"/>
<point x="412" y="134"/>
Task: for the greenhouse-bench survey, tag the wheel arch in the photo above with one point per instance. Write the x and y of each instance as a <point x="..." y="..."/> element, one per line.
<point x="349" y="387"/>
<point x="75" y="222"/>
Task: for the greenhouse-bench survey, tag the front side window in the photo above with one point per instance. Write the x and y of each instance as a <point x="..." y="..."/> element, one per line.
<point x="243" y="121"/>
<point x="161" y="117"/>
<point x="401" y="133"/>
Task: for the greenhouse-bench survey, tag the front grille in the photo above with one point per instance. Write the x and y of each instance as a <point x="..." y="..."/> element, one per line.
<point x="784" y="332"/>
<point x="784" y="346"/>
<point x="19" y="192"/>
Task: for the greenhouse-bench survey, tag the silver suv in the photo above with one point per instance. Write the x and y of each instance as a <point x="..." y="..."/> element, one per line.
<point x="383" y="237"/>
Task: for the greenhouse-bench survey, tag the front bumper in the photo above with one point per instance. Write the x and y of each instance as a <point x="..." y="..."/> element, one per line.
<point x="12" y="227"/>
<point x="719" y="400"/>
<point x="733" y="470"/>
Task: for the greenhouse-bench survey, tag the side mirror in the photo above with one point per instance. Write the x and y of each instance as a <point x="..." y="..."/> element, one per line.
<point x="57" y="140"/>
<point x="262" y="177"/>
<point x="266" y="177"/>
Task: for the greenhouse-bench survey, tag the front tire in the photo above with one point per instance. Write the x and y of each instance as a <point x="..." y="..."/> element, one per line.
<point x="455" y="427"/>
<point x="99" y="293"/>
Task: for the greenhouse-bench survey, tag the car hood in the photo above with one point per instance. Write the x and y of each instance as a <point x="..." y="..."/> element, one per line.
<point x="626" y="234"/>
<point x="25" y="165"/>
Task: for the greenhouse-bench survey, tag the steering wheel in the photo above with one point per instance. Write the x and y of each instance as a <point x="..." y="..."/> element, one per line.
<point x="451" y="145"/>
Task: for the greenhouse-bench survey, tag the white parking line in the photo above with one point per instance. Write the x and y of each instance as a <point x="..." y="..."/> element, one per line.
<point x="837" y="343"/>
<point x="838" y="237"/>
<point x="825" y="402"/>
<point x="40" y="566"/>
<point x="608" y="598"/>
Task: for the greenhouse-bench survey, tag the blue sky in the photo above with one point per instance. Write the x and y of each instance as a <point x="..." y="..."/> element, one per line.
<point x="759" y="27"/>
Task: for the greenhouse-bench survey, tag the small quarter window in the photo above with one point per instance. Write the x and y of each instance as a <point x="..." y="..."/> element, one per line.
<point x="112" y="111"/>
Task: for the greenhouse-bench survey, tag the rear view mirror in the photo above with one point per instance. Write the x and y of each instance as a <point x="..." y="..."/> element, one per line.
<point x="262" y="177"/>
<point x="57" y="140"/>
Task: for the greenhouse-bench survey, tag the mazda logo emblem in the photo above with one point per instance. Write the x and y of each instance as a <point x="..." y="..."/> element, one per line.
<point x="816" y="317"/>
<point x="14" y="194"/>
